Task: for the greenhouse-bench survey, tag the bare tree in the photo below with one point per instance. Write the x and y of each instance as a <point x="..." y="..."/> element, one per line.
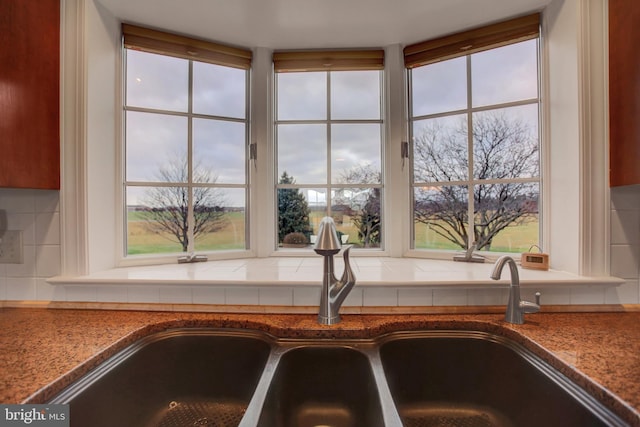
<point x="168" y="206"/>
<point x="366" y="216"/>
<point x="503" y="149"/>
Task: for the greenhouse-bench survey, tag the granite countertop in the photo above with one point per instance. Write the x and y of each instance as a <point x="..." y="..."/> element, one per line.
<point x="44" y="350"/>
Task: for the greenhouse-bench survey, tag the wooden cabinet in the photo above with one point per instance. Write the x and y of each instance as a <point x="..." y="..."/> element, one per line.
<point x="30" y="94"/>
<point x="624" y="92"/>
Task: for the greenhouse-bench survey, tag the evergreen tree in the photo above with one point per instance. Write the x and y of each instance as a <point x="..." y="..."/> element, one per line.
<point x="293" y="210"/>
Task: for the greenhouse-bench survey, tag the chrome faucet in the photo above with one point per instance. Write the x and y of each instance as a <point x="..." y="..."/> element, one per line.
<point x="334" y="291"/>
<point x="515" y="306"/>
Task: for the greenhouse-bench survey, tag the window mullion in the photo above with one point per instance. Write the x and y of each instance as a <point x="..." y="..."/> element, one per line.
<point x="190" y="213"/>
<point x="329" y="143"/>
<point x="470" y="189"/>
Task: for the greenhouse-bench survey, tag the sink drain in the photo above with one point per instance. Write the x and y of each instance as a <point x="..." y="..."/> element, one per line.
<point x="452" y="415"/>
<point x="199" y="414"/>
<point x="203" y="422"/>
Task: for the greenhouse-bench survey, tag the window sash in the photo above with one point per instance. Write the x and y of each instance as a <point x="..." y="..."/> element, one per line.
<point x="328" y="185"/>
<point x="471" y="182"/>
<point x="190" y="184"/>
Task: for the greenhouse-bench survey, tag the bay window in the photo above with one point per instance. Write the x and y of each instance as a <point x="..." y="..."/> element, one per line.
<point x="573" y="138"/>
<point x="473" y="126"/>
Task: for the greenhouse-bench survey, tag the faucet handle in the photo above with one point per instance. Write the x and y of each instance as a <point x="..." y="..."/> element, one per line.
<point x="529" y="307"/>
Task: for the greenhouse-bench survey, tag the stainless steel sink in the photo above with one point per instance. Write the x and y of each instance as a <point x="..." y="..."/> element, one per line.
<point x="176" y="378"/>
<point x="328" y="386"/>
<point x="231" y="378"/>
<point x="462" y="378"/>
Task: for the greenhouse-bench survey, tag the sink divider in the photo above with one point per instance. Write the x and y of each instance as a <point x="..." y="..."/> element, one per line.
<point x="389" y="410"/>
<point x="370" y="349"/>
<point x="252" y="414"/>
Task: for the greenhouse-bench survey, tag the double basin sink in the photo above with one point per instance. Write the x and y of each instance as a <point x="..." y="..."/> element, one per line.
<point x="231" y="378"/>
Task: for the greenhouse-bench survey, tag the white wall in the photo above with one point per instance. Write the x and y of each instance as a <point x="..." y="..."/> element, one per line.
<point x="563" y="134"/>
<point x="102" y="44"/>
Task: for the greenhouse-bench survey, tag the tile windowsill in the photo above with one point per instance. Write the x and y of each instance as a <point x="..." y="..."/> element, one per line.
<point x="379" y="272"/>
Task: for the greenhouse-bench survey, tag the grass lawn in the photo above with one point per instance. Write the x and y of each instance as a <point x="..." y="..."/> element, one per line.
<point x="515" y="239"/>
<point x="141" y="241"/>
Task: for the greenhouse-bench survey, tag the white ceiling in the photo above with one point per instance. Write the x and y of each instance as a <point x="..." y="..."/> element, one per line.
<point x="294" y="24"/>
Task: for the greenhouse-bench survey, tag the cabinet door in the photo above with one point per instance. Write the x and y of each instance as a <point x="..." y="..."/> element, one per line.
<point x="30" y="94"/>
<point x="624" y="92"/>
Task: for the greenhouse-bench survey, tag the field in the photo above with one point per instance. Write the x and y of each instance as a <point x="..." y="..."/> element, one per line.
<point x="141" y="241"/>
<point x="513" y="239"/>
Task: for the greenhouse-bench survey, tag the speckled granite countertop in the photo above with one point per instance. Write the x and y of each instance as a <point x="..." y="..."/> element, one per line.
<point x="43" y="350"/>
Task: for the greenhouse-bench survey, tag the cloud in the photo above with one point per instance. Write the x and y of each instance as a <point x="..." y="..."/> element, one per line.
<point x="219" y="91"/>
<point x="152" y="140"/>
<point x="439" y="87"/>
<point x="157" y="81"/>
<point x="355" y="95"/>
<point x="302" y="96"/>
<point x="302" y="152"/>
<point x="514" y="79"/>
<point x="220" y="146"/>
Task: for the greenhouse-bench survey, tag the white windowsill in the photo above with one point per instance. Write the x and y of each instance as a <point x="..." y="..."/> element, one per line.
<point x="372" y="272"/>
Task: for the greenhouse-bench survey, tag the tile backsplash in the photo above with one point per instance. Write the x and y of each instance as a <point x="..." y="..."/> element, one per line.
<point x="36" y="213"/>
<point x="625" y="244"/>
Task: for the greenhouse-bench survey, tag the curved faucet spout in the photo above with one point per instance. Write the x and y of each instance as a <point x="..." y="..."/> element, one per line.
<point x="341" y="288"/>
<point x="515" y="306"/>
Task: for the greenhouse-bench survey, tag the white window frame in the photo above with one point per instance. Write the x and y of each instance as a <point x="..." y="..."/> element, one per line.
<point x="328" y="185"/>
<point x="190" y="184"/>
<point x="470" y="182"/>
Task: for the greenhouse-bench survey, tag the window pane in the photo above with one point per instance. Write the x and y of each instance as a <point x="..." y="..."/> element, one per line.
<point x="156" y="147"/>
<point x="310" y="146"/>
<point x="441" y="219"/>
<point x="219" y="149"/>
<point x="300" y="211"/>
<point x="356" y="213"/>
<point x="302" y="96"/>
<point x="302" y="152"/>
<point x="439" y="87"/>
<point x="219" y="218"/>
<point x="157" y="81"/>
<point x="218" y="90"/>
<point x="156" y="220"/>
<point x="505" y="143"/>
<point x="440" y="149"/>
<point x="505" y="74"/>
<point x="506" y="217"/>
<point x="355" y="95"/>
<point x="355" y="153"/>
